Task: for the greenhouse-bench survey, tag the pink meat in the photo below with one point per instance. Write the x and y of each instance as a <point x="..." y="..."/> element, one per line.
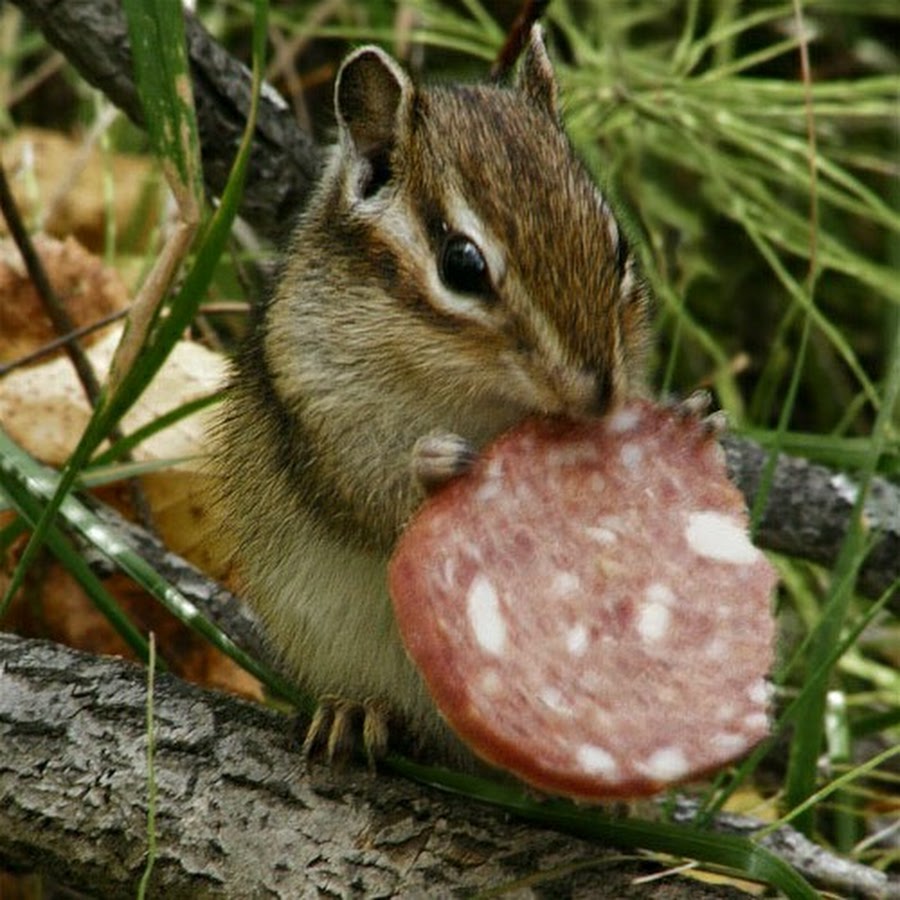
<point x="586" y="607"/>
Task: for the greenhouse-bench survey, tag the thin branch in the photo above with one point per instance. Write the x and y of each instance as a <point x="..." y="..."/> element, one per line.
<point x="63" y="340"/>
<point x="53" y="306"/>
<point x="517" y="37"/>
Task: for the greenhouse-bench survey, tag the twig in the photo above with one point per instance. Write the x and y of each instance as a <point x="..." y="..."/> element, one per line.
<point x="31" y="82"/>
<point x="827" y="870"/>
<point x="530" y="12"/>
<point x="53" y="306"/>
<point x="65" y="327"/>
<point x="62" y="340"/>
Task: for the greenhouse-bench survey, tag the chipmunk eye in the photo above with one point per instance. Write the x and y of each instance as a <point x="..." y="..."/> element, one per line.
<point x="462" y="266"/>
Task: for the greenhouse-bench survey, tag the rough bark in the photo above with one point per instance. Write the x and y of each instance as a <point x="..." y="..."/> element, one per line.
<point x="236" y="814"/>
<point x="808" y="512"/>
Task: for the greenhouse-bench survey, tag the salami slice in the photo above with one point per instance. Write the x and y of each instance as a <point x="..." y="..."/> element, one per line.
<point x="586" y="607"/>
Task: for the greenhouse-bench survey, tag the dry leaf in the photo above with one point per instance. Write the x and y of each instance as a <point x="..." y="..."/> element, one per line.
<point x="88" y="290"/>
<point x="43" y="408"/>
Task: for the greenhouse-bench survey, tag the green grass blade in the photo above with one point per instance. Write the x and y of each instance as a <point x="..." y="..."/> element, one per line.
<point x="115" y="473"/>
<point x="181" y="312"/>
<point x="20" y="469"/>
<point x="19" y="479"/>
<point x="807" y="743"/>
<point x="162" y="75"/>
<point x="737" y="855"/>
<point x="790" y="713"/>
<point x="121" y="447"/>
<point x="152" y="792"/>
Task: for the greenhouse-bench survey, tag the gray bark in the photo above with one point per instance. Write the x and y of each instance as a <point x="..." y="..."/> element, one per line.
<point x="808" y="510"/>
<point x="237" y="815"/>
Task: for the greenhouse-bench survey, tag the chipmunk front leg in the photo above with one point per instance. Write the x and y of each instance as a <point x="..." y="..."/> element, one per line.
<point x="342" y="721"/>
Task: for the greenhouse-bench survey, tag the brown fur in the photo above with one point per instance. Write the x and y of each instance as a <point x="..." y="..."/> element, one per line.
<point x="361" y="352"/>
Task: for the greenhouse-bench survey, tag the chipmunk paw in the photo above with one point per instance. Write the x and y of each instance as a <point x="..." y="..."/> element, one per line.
<point x="339" y="725"/>
<point x="437" y="458"/>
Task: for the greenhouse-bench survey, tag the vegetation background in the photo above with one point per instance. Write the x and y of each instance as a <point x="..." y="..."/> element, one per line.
<point x="763" y="196"/>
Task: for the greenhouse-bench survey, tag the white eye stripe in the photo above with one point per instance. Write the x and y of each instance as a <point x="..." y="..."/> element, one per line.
<point x="457" y="306"/>
<point x="612" y="230"/>
<point x="628" y="283"/>
<point x="547" y="336"/>
<point x="396" y="223"/>
<point x="462" y="219"/>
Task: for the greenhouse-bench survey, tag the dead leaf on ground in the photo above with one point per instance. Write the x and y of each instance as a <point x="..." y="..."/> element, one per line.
<point x="43" y="408"/>
<point x="88" y="290"/>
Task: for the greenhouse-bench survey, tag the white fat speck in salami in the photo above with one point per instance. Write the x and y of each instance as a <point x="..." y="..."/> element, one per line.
<point x="653" y="620"/>
<point x="485" y="616"/>
<point x="586" y="608"/>
<point x="666" y="764"/>
<point x="623" y="420"/>
<point x="719" y="537"/>
<point x="729" y="742"/>
<point x="600" y="535"/>
<point x="660" y="593"/>
<point x="554" y="699"/>
<point x="565" y="584"/>
<point x="632" y="456"/>
<point x="760" y="692"/>
<point x="577" y="640"/>
<point x="596" y="761"/>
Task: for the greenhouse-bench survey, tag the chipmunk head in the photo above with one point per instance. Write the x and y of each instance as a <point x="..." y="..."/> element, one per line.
<point x="469" y="208"/>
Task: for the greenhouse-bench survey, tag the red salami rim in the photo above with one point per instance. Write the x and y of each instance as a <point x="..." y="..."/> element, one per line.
<point x="649" y="671"/>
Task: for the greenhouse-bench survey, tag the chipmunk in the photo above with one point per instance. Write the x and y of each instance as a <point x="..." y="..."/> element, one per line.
<point x="455" y="271"/>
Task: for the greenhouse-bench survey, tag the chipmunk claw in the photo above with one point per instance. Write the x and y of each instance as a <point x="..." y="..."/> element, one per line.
<point x="717" y="423"/>
<point x="436" y="458"/>
<point x="337" y="726"/>
<point x="696" y="406"/>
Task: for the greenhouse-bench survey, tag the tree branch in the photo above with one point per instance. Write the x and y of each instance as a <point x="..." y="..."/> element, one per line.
<point x="236" y="814"/>
<point x="808" y="513"/>
<point x="93" y="36"/>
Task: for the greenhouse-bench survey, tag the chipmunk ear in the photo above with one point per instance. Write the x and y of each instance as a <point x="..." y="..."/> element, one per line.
<point x="372" y="97"/>
<point x="536" y="78"/>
